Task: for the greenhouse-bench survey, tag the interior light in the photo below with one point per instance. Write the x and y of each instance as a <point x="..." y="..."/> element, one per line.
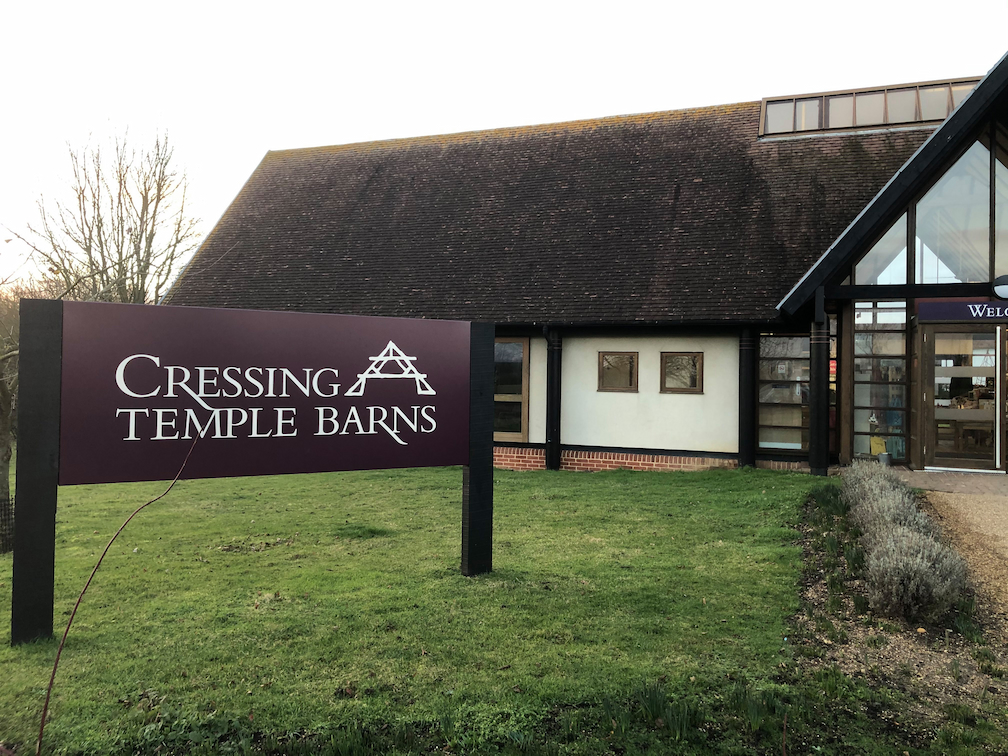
<point x="1001" y="287"/>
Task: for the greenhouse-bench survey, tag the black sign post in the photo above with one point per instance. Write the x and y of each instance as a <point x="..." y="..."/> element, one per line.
<point x="115" y="393"/>
<point x="477" y="476"/>
<point x="39" y="369"/>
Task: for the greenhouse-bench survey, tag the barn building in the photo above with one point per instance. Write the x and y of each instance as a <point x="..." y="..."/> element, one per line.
<point x="786" y="283"/>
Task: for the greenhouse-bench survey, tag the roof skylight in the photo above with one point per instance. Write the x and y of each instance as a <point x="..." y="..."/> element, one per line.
<point x="927" y="102"/>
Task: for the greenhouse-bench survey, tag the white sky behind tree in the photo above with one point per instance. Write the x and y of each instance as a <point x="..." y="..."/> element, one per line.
<point x="229" y="81"/>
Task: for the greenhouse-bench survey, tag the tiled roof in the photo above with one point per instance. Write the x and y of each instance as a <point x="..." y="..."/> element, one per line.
<point x="670" y="217"/>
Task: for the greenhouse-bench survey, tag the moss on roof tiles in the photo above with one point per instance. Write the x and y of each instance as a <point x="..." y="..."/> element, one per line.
<point x="679" y="216"/>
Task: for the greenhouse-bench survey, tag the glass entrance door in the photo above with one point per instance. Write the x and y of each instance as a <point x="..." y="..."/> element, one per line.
<point x="964" y="399"/>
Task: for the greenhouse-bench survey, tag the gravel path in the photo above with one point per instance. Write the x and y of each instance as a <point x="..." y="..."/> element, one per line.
<point x="977" y="524"/>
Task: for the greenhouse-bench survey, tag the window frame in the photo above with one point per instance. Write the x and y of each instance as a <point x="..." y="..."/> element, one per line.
<point x="804" y="407"/>
<point x="951" y="87"/>
<point x="521" y="437"/>
<point x="633" y="387"/>
<point x="698" y="389"/>
<point x="989" y="130"/>
<point x="874" y="308"/>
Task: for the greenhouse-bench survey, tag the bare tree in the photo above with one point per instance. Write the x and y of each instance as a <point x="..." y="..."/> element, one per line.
<point x="124" y="230"/>
<point x="8" y="392"/>
<point x="118" y="238"/>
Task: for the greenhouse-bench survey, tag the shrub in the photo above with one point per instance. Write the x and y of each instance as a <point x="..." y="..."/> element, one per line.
<point x="863" y="480"/>
<point x="907" y="571"/>
<point x="878" y="500"/>
<point x="891" y="508"/>
<point x="911" y="574"/>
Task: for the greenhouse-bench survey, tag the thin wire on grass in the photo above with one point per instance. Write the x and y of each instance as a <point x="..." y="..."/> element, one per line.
<point x="59" y="651"/>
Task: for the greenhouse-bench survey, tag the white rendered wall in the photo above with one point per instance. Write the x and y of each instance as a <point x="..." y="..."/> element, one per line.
<point x="649" y="419"/>
<point x="537" y="391"/>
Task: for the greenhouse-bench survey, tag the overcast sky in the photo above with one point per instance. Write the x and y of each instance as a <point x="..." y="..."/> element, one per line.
<point x="229" y="81"/>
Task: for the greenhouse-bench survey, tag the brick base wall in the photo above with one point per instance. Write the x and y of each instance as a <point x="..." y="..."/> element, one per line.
<point x="522" y="458"/>
<point x="518" y="458"/>
<point x="515" y="458"/>
<point x="592" y="461"/>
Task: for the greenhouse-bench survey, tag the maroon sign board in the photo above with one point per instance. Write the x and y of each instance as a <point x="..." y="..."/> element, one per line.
<point x="114" y="393"/>
<point x="266" y="393"/>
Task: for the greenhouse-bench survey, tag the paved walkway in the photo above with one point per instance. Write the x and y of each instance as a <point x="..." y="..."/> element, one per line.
<point x="988" y="484"/>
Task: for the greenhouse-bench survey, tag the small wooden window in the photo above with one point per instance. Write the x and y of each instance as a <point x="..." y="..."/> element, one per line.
<point x="682" y="372"/>
<point x="511" y="387"/>
<point x="617" y="371"/>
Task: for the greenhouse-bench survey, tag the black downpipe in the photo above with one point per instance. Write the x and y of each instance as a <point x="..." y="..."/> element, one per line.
<point x="554" y="355"/>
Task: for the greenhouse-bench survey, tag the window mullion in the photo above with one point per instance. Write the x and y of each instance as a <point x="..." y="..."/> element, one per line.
<point x="993" y="189"/>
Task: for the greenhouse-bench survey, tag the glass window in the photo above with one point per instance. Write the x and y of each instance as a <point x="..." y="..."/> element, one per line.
<point x="902" y="105"/>
<point x="886" y="262"/>
<point x="782" y="415"/>
<point x="617" y="371"/>
<point x="507" y="417"/>
<point x="794" y="439"/>
<point x="779" y="117"/>
<point x="880" y="370"/>
<point x="879" y="343"/>
<point x="934" y="102"/>
<point x="784" y="346"/>
<point x="885" y="395"/>
<point x="880" y="316"/>
<point x="807" y="115"/>
<point x="511" y="367"/>
<point x="783" y="392"/>
<point x="953" y="221"/>
<point x="870" y="108"/>
<point x="784" y="369"/>
<point x="873" y="421"/>
<point x="682" y="372"/>
<point x="880" y="386"/>
<point x="852" y="109"/>
<point x="508" y="360"/>
<point x="865" y="445"/>
<point x="840" y="113"/>
<point x="959" y="92"/>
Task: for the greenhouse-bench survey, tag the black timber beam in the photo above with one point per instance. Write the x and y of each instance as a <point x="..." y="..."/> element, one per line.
<point x="554" y="375"/>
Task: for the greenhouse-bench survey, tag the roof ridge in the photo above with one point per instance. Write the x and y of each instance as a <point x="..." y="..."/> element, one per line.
<point x="515" y="131"/>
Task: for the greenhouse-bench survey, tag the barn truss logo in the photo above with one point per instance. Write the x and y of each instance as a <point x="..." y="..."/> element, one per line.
<point x="392" y="353"/>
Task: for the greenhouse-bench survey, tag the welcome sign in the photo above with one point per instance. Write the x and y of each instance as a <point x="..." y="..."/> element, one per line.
<point x="264" y="393"/>
<point x="962" y="311"/>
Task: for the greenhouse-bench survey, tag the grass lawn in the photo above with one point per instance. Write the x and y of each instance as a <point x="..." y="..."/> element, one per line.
<point x="268" y="612"/>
